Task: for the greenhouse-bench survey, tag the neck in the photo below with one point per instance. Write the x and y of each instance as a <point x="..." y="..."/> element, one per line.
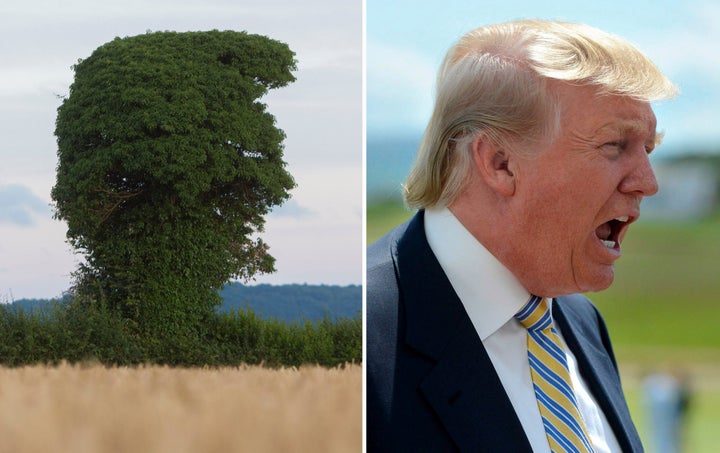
<point x="496" y="228"/>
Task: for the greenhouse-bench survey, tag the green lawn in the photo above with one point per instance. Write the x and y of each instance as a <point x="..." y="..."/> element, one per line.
<point x="382" y="217"/>
<point x="661" y="312"/>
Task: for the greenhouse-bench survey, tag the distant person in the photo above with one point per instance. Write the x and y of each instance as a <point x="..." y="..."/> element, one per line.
<point x="529" y="174"/>
<point x="667" y="398"/>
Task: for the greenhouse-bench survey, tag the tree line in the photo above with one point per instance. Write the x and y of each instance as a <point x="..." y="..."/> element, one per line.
<point x="67" y="331"/>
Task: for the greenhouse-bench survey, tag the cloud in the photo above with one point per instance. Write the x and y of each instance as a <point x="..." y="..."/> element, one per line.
<point x="291" y="208"/>
<point x="19" y="205"/>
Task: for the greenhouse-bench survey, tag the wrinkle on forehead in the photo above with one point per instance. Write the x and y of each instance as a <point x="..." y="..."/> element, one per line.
<point x="586" y="116"/>
<point x="616" y="114"/>
<point x="617" y="130"/>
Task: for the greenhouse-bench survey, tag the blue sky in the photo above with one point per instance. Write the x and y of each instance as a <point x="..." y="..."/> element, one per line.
<point x="316" y="237"/>
<point x="406" y="41"/>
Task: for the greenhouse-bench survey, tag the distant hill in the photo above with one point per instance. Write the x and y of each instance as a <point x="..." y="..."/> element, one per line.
<point x="294" y="302"/>
<point x="282" y="302"/>
<point x="32" y="305"/>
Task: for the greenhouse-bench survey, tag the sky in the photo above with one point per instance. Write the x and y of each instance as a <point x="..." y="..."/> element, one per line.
<point x="407" y="40"/>
<point x="316" y="237"/>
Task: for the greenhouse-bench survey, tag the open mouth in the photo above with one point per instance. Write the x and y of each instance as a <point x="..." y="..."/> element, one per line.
<point x="610" y="232"/>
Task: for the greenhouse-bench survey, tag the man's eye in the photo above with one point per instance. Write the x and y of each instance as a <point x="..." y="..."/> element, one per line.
<point x="613" y="148"/>
<point x="619" y="144"/>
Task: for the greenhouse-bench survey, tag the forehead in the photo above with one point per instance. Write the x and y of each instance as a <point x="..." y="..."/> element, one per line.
<point x="589" y="113"/>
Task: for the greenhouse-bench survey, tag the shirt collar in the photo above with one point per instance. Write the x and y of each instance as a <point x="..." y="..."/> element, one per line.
<point x="489" y="292"/>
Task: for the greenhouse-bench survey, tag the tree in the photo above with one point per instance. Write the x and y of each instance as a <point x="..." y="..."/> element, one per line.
<point x="168" y="162"/>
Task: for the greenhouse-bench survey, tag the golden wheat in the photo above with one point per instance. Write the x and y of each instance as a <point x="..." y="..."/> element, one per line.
<point x="158" y="409"/>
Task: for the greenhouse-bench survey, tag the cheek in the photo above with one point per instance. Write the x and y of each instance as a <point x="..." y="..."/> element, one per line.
<point x="564" y="221"/>
<point x="562" y="205"/>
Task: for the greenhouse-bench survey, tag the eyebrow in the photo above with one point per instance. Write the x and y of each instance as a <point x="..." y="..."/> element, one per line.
<point x="630" y="127"/>
<point x="659" y="135"/>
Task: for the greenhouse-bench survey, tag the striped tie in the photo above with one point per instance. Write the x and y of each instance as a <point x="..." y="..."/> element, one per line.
<point x="548" y="367"/>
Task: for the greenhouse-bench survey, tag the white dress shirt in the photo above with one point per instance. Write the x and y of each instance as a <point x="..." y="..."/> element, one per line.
<point x="491" y="296"/>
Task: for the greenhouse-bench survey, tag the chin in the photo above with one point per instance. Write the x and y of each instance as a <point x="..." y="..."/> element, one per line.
<point x="596" y="289"/>
<point x="577" y="282"/>
<point x="597" y="284"/>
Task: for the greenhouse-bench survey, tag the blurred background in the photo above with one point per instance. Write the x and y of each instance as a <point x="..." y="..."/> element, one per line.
<point x="661" y="309"/>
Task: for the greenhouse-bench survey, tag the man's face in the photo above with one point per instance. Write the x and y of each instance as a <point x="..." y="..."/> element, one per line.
<point x="577" y="196"/>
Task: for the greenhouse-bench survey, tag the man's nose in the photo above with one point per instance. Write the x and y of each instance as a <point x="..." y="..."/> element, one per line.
<point x="641" y="180"/>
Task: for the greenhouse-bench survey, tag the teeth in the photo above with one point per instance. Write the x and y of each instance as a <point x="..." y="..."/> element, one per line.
<point x="623" y="218"/>
<point x="609" y="244"/>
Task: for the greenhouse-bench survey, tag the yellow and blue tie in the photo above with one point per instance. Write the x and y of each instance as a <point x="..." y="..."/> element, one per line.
<point x="548" y="367"/>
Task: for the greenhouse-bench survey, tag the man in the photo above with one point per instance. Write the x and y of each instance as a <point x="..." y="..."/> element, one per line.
<point x="530" y="172"/>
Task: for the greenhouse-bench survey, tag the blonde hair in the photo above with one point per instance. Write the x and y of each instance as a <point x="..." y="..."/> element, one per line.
<point x="494" y="81"/>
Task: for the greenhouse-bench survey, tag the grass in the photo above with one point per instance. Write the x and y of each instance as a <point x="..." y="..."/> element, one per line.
<point x="662" y="312"/>
<point x="382" y="217"/>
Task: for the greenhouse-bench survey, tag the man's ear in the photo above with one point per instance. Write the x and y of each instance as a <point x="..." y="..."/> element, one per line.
<point x="493" y="165"/>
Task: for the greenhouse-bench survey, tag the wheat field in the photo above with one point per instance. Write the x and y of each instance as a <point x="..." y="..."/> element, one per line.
<point x="158" y="409"/>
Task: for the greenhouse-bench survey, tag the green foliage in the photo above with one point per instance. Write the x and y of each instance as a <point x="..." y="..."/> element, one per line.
<point x="243" y="337"/>
<point x="71" y="332"/>
<point x="167" y="164"/>
<point x="78" y="332"/>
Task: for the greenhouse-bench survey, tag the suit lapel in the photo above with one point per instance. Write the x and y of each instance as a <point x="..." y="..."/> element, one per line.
<point x="466" y="394"/>
<point x="463" y="388"/>
<point x="590" y="347"/>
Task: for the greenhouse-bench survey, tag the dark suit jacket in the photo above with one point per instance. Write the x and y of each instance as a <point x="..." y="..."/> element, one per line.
<point x="430" y="383"/>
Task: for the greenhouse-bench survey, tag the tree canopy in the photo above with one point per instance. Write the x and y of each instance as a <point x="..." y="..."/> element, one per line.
<point x="168" y="163"/>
